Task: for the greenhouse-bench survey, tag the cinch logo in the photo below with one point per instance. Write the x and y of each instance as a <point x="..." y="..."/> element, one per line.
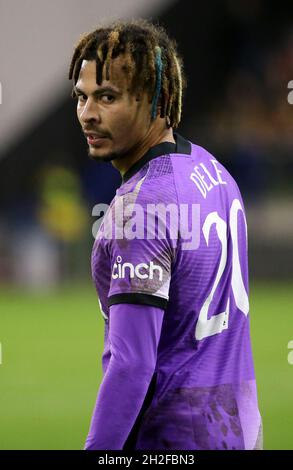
<point x="119" y="269"/>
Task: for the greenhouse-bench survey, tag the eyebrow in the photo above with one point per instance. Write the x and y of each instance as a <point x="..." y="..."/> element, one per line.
<point x="98" y="92"/>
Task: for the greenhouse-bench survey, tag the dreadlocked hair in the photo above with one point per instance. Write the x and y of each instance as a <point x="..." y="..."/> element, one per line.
<point x="151" y="62"/>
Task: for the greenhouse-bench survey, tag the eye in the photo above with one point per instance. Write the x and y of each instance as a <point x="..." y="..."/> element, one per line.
<point x="107" y="98"/>
<point x="81" y="97"/>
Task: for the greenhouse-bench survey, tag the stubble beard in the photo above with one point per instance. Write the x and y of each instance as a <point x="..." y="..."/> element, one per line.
<point x="107" y="158"/>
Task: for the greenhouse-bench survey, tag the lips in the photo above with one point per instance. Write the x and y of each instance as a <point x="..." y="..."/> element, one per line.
<point x="94" y="139"/>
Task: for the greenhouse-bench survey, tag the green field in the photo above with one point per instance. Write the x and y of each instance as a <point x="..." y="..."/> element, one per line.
<point x="51" y="365"/>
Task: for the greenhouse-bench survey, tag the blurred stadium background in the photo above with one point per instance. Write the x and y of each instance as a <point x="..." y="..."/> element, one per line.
<point x="239" y="62"/>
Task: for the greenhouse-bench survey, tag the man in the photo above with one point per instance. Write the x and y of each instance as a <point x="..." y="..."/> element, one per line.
<point x="169" y="261"/>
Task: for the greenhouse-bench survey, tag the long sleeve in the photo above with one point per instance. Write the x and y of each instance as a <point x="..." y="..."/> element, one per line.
<point x="134" y="333"/>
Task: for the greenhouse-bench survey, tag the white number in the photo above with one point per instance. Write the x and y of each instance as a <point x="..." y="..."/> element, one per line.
<point x="217" y="323"/>
<point x="240" y="294"/>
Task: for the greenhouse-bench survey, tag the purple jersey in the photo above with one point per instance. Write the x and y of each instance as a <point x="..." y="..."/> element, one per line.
<point x="175" y="238"/>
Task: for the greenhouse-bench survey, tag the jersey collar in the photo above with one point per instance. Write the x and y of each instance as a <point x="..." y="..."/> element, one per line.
<point x="181" y="146"/>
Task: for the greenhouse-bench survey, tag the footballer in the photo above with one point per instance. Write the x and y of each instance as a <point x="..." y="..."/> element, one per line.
<point x="178" y="369"/>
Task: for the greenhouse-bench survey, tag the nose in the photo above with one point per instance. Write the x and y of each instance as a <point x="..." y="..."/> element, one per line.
<point x="90" y="112"/>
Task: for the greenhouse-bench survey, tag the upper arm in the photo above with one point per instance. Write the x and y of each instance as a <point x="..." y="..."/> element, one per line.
<point x="141" y="262"/>
<point x="134" y="333"/>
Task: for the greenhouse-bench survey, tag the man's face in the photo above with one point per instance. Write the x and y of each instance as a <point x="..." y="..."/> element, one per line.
<point x="111" y="117"/>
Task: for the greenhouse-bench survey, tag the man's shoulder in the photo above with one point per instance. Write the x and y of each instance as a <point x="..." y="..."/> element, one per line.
<point x="204" y="170"/>
<point x="155" y="183"/>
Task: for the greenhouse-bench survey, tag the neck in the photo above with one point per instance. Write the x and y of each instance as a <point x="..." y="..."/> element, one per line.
<point x="136" y="152"/>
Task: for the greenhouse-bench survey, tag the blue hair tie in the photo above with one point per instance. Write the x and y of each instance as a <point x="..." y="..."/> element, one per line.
<point x="159" y="69"/>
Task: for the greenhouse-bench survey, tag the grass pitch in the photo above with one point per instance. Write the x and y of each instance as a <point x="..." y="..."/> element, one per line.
<point x="51" y="365"/>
